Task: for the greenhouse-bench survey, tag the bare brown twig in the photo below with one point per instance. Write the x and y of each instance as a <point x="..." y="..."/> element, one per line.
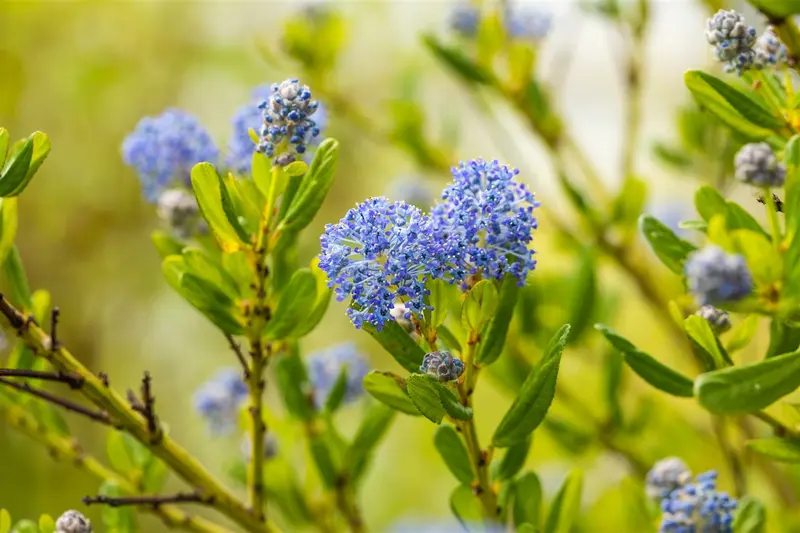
<point x="98" y="416"/>
<point x="155" y="501"/>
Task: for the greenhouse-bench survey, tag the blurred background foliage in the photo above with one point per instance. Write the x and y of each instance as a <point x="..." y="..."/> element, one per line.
<point x="86" y="72"/>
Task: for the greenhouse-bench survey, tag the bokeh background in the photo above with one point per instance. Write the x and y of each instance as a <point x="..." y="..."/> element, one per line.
<point x="86" y="72"/>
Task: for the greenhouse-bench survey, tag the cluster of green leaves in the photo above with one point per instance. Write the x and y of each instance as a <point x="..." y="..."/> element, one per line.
<point x="46" y="524"/>
<point x="19" y="164"/>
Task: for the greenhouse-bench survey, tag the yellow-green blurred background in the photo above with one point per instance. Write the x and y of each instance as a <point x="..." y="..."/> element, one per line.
<point x="86" y="72"/>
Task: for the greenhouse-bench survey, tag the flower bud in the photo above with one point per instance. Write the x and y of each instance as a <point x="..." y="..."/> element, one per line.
<point x="442" y="365"/>
<point x="757" y="164"/>
<point x="73" y="522"/>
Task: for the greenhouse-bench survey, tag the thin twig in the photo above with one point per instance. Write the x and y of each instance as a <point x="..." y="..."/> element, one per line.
<point x="237" y="349"/>
<point x="73" y="380"/>
<point x="98" y="416"/>
<point x="54" y="343"/>
<point x="155" y="501"/>
<point x="149" y="409"/>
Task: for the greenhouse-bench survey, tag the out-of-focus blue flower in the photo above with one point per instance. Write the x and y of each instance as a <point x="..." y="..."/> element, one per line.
<point x="325" y="367"/>
<point x="465" y="18"/>
<point x="756" y="164"/>
<point x="485" y="223"/>
<point x="442" y="366"/>
<point x="270" y="447"/>
<point x="287" y="116"/>
<point x="220" y="399"/>
<point x="713" y="275"/>
<point x="379" y="253"/>
<point x="240" y="145"/>
<point x="733" y="40"/>
<point x="412" y="190"/>
<point x="698" y="507"/>
<point x="665" y="476"/>
<point x="525" y="22"/>
<point x="769" y="49"/>
<point x="164" y="149"/>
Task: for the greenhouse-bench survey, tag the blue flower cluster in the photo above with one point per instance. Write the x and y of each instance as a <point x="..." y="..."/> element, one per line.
<point x="382" y="253"/>
<point x="442" y="365"/>
<point x="325" y="367"/>
<point x="756" y="164"/>
<point x="220" y="399"/>
<point x="465" y="18"/>
<point x="698" y="508"/>
<point x="524" y="22"/>
<point x="737" y="45"/>
<point x="713" y="275"/>
<point x="769" y="50"/>
<point x="164" y="149"/>
<point x="485" y="223"/>
<point x="287" y="116"/>
<point x="378" y="253"/>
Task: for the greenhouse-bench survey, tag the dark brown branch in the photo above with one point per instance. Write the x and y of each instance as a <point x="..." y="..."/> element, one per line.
<point x="54" y="343"/>
<point x="239" y="355"/>
<point x="98" y="416"/>
<point x="150" y="410"/>
<point x="155" y="501"/>
<point x="73" y="380"/>
<point x="14" y="317"/>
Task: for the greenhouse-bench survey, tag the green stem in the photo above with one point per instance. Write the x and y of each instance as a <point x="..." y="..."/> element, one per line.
<point x="774" y="223"/>
<point x="346" y="502"/>
<point x="633" y="102"/>
<point x="731" y="455"/>
<point x="163" y="447"/>
<point x="67" y="448"/>
<point x="781" y="429"/>
<point x="258" y="429"/>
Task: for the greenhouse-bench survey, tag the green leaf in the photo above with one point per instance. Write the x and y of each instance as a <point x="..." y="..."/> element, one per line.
<point x="534" y="398"/>
<point x="25" y="526"/>
<point x="116" y="519"/>
<point x="742" y="334"/>
<point x="493" y="339"/>
<point x="527" y="528"/>
<point x="368" y="435"/>
<point x="458" y="62"/>
<point x="451" y="404"/>
<point x="119" y="455"/>
<point x="208" y="187"/>
<point x="324" y="294"/>
<point x="775" y="9"/>
<point x="584" y="295"/>
<point x="751" y="516"/>
<point x="5" y="139"/>
<point x="46" y="524"/>
<point x="439" y="301"/>
<point x="779" y="449"/>
<point x="8" y="226"/>
<point x="200" y="264"/>
<point x="296" y="303"/>
<point x="262" y="173"/>
<point x="296" y="168"/>
<point x="613" y="386"/>
<point x="480" y="305"/>
<point x="668" y="247"/>
<point x="155" y="475"/>
<point x="699" y="330"/>
<point x="423" y="391"/>
<point x="313" y="189"/>
<point x="737" y="217"/>
<point x="466" y="506"/>
<point x="5" y="516"/>
<point x="513" y="460"/>
<point x="14" y="273"/>
<point x="336" y="395"/>
<point x="528" y="500"/>
<point x="292" y="379"/>
<point x="166" y="245"/>
<point x="454" y="453"/>
<point x="13" y="174"/>
<point x="390" y="389"/>
<point x="782" y="338"/>
<point x="655" y="373"/>
<point x="323" y="459"/>
<point x="566" y="504"/>
<point x="730" y="105"/>
<point x="748" y="388"/>
<point x="399" y="344"/>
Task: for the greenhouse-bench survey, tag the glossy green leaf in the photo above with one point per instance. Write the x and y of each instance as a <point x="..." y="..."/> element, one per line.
<point x="14" y="274"/>
<point x="782" y="338"/>
<point x="8" y="226"/>
<point x="46" y="524"/>
<point x="439" y="301"/>
<point x="584" y="296"/>
<point x="712" y="95"/>
<point x="776" y="9"/>
<point x="750" y="517"/>
<point x="262" y="172"/>
<point x="208" y="187"/>
<point x="742" y="334"/>
<point x="458" y="62"/>
<point x="118" y="454"/>
<point x="337" y="392"/>
<point x="737" y="217"/>
<point x="534" y="398"/>
<point x="493" y="338"/>
<point x="748" y="388"/>
<point x="668" y="247"/>
<point x="709" y="202"/>
<point x="41" y="149"/>
<point x="200" y="264"/>
<point x="453" y="452"/>
<point x="390" y="389"/>
<point x="783" y="450"/>
<point x="699" y="330"/>
<point x="296" y="168"/>
<point x="748" y="107"/>
<point x="295" y="304"/>
<point x="466" y="506"/>
<point x="247" y="203"/>
<point x="369" y="434"/>
<point x="313" y="188"/>
<point x="424" y="392"/>
<point x="166" y="245"/>
<point x="649" y="369"/>
<point x="451" y="404"/>
<point x="323" y="459"/>
<point x="14" y="173"/>
<point x="528" y="500"/>
<point x="480" y="305"/>
<point x="5" y="139"/>
<point x="566" y="505"/>
<point x="763" y="261"/>
<point x="513" y="460"/>
<point x="399" y="344"/>
<point x="292" y="379"/>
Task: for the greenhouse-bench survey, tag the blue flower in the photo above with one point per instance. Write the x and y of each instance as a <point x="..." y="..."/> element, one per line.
<point x="698" y="507"/>
<point x="523" y="22"/>
<point x="665" y="476"/>
<point x="412" y="190"/>
<point x="442" y="366"/>
<point x="325" y="367"/>
<point x="465" y="18"/>
<point x="769" y="49"/>
<point x="484" y="223"/>
<point x="733" y="40"/>
<point x="713" y="275"/>
<point x="164" y="149"/>
<point x="240" y="145"/>
<point x="380" y="252"/>
<point x="220" y="399"/>
<point x="287" y="116"/>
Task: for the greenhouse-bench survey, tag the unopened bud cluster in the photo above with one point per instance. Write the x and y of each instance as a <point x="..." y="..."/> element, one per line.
<point x="719" y="320"/>
<point x="757" y="164"/>
<point x="287" y="116"/>
<point x="73" y="522"/>
<point x="738" y="46"/>
<point x="442" y="366"/>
